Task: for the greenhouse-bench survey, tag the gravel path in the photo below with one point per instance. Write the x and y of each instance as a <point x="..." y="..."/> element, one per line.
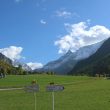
<point x="9" y="89"/>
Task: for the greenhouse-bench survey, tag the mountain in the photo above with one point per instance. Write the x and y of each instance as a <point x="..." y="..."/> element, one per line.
<point x="5" y="65"/>
<point x="96" y="63"/>
<point x="5" y="59"/>
<point x="24" y="66"/>
<point x="66" y="63"/>
<point x="58" y="66"/>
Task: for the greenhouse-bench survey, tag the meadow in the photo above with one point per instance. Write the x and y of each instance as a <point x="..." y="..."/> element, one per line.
<point x="80" y="93"/>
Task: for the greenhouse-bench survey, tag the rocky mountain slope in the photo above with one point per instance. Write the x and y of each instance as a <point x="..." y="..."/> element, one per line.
<point x="67" y="62"/>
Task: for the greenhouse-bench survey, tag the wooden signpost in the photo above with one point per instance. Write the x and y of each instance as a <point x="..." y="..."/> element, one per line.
<point x="33" y="88"/>
<point x="54" y="88"/>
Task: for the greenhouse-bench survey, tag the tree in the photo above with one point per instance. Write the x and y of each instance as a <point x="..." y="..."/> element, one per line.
<point x="19" y="70"/>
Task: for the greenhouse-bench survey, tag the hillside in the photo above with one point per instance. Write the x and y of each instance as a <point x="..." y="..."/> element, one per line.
<point x="99" y="60"/>
<point x="5" y="59"/>
<point x="6" y="66"/>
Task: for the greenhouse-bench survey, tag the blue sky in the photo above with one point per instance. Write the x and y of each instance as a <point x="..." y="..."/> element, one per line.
<point x="40" y="27"/>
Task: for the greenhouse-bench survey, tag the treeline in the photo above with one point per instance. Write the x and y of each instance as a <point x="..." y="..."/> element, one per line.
<point x="8" y="69"/>
<point x="103" y="66"/>
<point x="45" y="73"/>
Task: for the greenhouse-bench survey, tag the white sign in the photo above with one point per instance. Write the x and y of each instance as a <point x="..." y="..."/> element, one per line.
<point x="52" y="88"/>
<point x="32" y="88"/>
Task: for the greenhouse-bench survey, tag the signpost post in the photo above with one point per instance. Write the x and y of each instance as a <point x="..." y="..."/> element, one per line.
<point x="33" y="88"/>
<point x="53" y="100"/>
<point x="53" y="88"/>
<point x="35" y="100"/>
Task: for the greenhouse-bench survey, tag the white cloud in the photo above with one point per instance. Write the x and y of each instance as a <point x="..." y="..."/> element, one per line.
<point x="65" y="14"/>
<point x="80" y="35"/>
<point x="12" y="52"/>
<point x="42" y="21"/>
<point x="35" y="65"/>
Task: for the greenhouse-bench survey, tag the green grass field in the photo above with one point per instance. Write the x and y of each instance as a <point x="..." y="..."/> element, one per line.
<point x="81" y="93"/>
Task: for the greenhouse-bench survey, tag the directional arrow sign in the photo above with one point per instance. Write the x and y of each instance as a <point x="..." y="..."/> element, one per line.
<point x="51" y="88"/>
<point x="32" y="88"/>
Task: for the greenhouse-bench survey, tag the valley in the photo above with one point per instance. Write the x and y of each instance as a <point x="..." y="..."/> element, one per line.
<point x="80" y="93"/>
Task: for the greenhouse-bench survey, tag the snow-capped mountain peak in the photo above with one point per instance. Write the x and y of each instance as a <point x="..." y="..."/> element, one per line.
<point x="24" y="66"/>
<point x="66" y="62"/>
<point x="87" y="51"/>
